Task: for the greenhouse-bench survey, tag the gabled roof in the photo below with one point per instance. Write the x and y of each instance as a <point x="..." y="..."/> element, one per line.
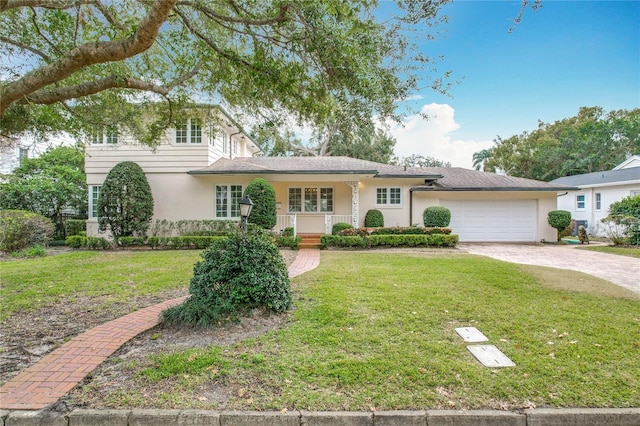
<point x="435" y="178"/>
<point x="609" y="177"/>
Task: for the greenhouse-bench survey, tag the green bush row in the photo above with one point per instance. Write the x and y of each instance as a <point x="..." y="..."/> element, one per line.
<point x="412" y="230"/>
<point x="434" y="240"/>
<point x="205" y="227"/>
<point x="184" y="242"/>
<point x="93" y="243"/>
<point x="288" y="241"/>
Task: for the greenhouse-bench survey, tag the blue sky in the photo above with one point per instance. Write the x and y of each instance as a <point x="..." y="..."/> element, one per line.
<point x="566" y="55"/>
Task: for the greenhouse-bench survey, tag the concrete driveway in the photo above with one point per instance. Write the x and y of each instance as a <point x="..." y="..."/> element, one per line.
<point x="621" y="270"/>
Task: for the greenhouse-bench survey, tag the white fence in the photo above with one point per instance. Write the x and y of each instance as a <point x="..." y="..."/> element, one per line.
<point x="285" y="221"/>
<point x="332" y="219"/>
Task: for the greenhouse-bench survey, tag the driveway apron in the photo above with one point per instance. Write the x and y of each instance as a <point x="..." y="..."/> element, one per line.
<point x="620" y="270"/>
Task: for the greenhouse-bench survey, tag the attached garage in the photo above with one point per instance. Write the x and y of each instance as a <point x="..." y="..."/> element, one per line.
<point x="494" y="220"/>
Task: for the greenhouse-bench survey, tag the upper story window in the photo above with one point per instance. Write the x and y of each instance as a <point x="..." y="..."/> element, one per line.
<point x="105" y="136"/>
<point x="580" y="202"/>
<point x="189" y="131"/>
<point x="23" y="154"/>
<point x="598" y="201"/>
<point x="388" y="196"/>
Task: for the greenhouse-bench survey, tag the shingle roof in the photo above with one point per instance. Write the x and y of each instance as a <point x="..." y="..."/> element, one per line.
<point x="601" y="178"/>
<point x="460" y="179"/>
<point x="310" y="165"/>
<point x="445" y="178"/>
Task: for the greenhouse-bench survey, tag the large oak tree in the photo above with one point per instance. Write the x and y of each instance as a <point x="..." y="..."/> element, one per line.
<point x="79" y="64"/>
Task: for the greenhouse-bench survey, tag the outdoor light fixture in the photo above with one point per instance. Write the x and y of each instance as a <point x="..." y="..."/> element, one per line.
<point x="245" y="210"/>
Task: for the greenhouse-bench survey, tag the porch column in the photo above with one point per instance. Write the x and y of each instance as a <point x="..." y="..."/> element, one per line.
<point x="355" y="202"/>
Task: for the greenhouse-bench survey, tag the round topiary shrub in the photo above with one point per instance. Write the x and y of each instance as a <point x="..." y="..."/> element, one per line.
<point x="263" y="196"/>
<point x="374" y="219"/>
<point x="340" y="226"/>
<point x="559" y="219"/>
<point x="240" y="272"/>
<point x="20" y="229"/>
<point x="125" y="205"/>
<point x="436" y="216"/>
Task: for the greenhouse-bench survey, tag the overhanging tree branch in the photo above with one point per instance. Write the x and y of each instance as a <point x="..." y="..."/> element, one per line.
<point x="47" y="4"/>
<point x="25" y="47"/>
<point x="89" y="54"/>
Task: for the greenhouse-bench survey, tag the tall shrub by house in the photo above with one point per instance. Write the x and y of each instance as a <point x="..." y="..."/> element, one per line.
<point x="240" y="272"/>
<point x="559" y="219"/>
<point x="436" y="216"/>
<point x="626" y="213"/>
<point x="125" y="205"/>
<point x="263" y="196"/>
<point x="374" y="219"/>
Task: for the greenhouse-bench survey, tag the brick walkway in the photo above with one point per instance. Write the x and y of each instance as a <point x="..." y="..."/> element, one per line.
<point x="61" y="370"/>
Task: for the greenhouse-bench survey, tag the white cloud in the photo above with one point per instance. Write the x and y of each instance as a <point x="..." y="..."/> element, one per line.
<point x="432" y="137"/>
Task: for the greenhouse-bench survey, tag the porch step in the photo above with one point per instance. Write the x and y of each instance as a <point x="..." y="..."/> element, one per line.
<point x="310" y="240"/>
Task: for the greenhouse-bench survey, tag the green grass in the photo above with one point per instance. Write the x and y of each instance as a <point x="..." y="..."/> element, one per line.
<point x="377" y="330"/>
<point x="32" y="283"/>
<point x="622" y="251"/>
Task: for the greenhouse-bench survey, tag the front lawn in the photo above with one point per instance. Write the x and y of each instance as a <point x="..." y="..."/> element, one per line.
<point x="32" y="283"/>
<point x="376" y="331"/>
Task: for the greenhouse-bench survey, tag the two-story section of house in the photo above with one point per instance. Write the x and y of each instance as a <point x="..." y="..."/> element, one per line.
<point x="209" y="134"/>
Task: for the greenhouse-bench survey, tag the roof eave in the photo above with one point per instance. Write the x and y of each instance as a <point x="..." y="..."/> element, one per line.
<point x="477" y="189"/>
<point x="407" y="176"/>
<point x="281" y="172"/>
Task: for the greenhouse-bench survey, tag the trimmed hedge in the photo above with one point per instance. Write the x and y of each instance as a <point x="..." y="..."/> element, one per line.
<point x="413" y="230"/>
<point x="434" y="240"/>
<point x="288" y="241"/>
<point x="436" y="216"/>
<point x="184" y="242"/>
<point x="374" y="218"/>
<point x="93" y="243"/>
<point x="340" y="226"/>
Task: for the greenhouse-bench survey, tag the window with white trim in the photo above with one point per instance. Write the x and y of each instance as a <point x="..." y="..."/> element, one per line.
<point x="105" y="136"/>
<point x="94" y="195"/>
<point x="189" y="131"/>
<point x="311" y="200"/>
<point x="391" y="196"/>
<point x="598" y="201"/>
<point x="634" y="193"/>
<point x="227" y="201"/>
<point x="580" y="202"/>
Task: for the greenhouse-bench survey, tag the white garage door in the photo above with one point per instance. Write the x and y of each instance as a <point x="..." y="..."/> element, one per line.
<point x="497" y="220"/>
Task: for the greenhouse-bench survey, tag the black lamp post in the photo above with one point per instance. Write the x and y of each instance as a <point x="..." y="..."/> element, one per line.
<point x="245" y="210"/>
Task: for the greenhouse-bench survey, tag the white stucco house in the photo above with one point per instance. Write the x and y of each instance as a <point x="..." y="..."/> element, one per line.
<point x="597" y="191"/>
<point x="200" y="170"/>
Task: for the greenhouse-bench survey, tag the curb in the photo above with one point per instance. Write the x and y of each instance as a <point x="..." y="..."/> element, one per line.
<point x="151" y="417"/>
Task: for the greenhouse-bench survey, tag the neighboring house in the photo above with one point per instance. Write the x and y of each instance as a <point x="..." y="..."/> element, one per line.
<point x="199" y="173"/>
<point x="597" y="191"/>
<point x="12" y="156"/>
